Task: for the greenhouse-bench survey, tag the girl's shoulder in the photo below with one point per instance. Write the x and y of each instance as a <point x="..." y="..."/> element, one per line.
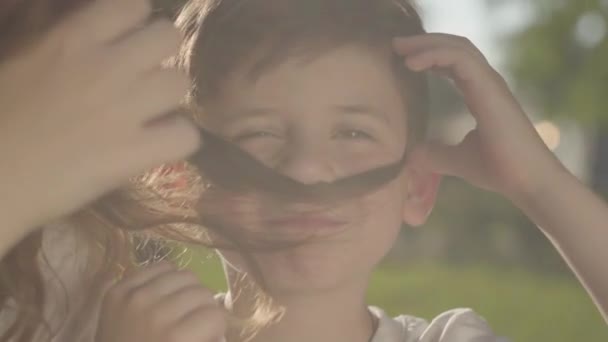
<point x="456" y="325"/>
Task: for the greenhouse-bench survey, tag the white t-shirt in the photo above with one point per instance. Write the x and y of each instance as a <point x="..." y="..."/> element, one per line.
<point x="457" y="325"/>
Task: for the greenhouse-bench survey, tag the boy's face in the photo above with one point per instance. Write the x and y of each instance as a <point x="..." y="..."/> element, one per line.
<point x="318" y="120"/>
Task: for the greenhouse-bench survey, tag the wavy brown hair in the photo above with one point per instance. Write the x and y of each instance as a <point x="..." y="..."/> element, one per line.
<point x="163" y="205"/>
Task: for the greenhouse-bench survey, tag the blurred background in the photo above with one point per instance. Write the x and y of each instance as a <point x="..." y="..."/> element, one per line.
<point x="478" y="250"/>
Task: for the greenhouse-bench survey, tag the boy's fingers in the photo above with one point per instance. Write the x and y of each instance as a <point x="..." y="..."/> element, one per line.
<point x="458" y="161"/>
<point x="454" y="64"/>
<point x="101" y="22"/>
<point x="482" y="87"/>
<point x="407" y="45"/>
<point x="444" y="57"/>
<point x="435" y="157"/>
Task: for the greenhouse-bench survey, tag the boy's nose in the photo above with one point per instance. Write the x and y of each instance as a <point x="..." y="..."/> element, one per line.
<point x="308" y="164"/>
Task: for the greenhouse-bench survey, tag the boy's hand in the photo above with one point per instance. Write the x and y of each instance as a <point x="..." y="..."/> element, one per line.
<point x="503" y="153"/>
<point x="160" y="304"/>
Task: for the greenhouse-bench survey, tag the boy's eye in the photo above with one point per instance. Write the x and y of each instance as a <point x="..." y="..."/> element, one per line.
<point x="253" y="135"/>
<point x="353" y="134"/>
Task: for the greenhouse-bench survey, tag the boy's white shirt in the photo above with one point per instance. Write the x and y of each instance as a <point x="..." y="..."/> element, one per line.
<point x="72" y="323"/>
<point x="457" y="325"/>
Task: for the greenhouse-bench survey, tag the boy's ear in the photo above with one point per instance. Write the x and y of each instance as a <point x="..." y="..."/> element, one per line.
<point x="421" y="188"/>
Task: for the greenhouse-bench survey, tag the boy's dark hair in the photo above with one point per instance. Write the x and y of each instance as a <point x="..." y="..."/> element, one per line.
<point x="223" y="34"/>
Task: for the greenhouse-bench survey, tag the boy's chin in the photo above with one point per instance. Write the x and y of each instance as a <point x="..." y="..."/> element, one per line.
<point x="318" y="267"/>
<point x="290" y="275"/>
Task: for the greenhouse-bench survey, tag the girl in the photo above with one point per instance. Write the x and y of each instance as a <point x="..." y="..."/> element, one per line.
<point x="321" y="92"/>
<point x="82" y="96"/>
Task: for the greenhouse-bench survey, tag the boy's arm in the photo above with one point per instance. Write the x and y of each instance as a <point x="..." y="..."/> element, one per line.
<point x="576" y="221"/>
<point x="505" y="154"/>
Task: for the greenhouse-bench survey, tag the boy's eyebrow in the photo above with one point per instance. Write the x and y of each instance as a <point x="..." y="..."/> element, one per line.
<point x="362" y="109"/>
<point x="356" y="109"/>
<point x="251" y="112"/>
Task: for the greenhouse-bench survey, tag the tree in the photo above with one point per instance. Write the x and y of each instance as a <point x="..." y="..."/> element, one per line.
<point x="560" y="60"/>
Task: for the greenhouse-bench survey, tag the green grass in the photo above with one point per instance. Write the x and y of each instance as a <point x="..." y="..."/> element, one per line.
<point x="520" y="305"/>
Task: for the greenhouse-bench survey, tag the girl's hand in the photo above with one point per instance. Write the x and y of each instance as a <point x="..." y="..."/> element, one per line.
<point x="80" y="110"/>
<point x="503" y="153"/>
<point x="160" y="304"/>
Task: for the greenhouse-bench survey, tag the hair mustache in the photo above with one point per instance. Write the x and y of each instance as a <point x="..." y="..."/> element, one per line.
<point x="228" y="167"/>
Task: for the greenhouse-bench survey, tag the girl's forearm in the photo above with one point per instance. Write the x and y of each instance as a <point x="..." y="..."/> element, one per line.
<point x="576" y="221"/>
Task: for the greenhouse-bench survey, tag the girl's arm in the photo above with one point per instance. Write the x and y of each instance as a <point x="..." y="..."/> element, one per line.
<point x="81" y="109"/>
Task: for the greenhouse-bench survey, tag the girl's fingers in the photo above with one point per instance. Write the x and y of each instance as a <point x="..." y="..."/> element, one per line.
<point x="101" y="22"/>
<point x="145" y="49"/>
<point x="119" y="294"/>
<point x="184" y="300"/>
<point x="146" y="274"/>
<point x="161" y="303"/>
<point x="154" y="95"/>
<point x="88" y="30"/>
<point x="170" y="283"/>
<point x="167" y="140"/>
<point x="203" y="324"/>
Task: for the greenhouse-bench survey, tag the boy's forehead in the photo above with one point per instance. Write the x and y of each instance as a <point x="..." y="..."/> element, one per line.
<point x="303" y="55"/>
<point x="350" y="80"/>
<point x="349" y="66"/>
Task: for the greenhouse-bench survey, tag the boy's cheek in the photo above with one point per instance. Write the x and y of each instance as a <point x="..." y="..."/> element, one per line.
<point x="384" y="208"/>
